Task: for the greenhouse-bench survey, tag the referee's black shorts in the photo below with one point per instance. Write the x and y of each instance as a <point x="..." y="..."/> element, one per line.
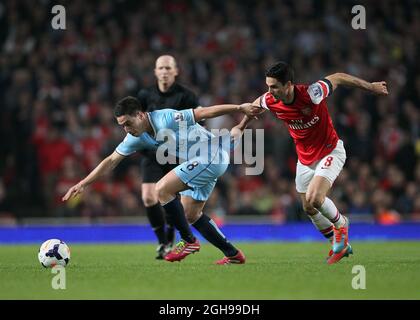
<point x="151" y="170"/>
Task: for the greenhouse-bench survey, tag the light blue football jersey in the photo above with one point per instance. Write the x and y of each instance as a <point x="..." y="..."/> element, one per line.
<point x="131" y="144"/>
<point x="202" y="156"/>
<point x="179" y="132"/>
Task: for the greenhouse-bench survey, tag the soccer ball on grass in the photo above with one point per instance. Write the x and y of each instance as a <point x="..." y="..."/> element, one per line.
<point x="54" y="252"/>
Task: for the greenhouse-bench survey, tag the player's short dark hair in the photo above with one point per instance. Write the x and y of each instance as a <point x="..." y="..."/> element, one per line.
<point x="127" y="106"/>
<point x="281" y="71"/>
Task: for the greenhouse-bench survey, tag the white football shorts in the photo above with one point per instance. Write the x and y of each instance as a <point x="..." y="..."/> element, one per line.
<point x="328" y="167"/>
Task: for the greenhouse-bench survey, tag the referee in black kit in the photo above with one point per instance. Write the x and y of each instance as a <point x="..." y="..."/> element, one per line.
<point x="166" y="93"/>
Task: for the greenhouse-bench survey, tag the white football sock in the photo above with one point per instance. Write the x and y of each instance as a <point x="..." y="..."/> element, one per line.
<point x="322" y="224"/>
<point x="330" y="211"/>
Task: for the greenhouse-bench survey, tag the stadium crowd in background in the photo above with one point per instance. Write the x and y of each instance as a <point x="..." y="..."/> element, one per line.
<point x="58" y="89"/>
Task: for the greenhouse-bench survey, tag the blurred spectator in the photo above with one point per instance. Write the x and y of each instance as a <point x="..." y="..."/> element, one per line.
<point x="5" y="205"/>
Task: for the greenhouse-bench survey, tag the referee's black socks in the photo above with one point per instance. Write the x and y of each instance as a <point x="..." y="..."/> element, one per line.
<point x="209" y="230"/>
<point x="175" y="213"/>
<point x="156" y="218"/>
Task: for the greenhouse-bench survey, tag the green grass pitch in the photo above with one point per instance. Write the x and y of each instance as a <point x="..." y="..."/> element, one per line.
<point x="272" y="271"/>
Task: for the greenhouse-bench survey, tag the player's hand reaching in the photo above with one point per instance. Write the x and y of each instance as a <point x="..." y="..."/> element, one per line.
<point x="73" y="191"/>
<point x="379" y="88"/>
<point x="251" y="110"/>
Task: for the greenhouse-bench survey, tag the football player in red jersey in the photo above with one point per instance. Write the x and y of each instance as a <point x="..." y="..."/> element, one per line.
<point x="321" y="154"/>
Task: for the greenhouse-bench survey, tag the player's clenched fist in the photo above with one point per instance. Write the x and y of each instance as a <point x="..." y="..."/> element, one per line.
<point x="73" y="191"/>
<point x="379" y="88"/>
<point x="251" y="110"/>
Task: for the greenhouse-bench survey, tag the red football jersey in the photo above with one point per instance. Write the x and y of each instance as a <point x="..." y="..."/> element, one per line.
<point x="307" y="119"/>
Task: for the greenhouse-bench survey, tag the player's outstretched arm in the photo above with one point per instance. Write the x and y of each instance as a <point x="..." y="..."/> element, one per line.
<point x="238" y="130"/>
<point x="257" y="102"/>
<point x="214" y="111"/>
<point x="345" y="79"/>
<point x="106" y="165"/>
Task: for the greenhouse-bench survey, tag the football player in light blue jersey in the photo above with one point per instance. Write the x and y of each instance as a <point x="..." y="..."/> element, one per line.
<point x="194" y="178"/>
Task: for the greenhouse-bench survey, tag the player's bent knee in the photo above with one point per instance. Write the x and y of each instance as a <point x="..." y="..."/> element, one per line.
<point x="191" y="215"/>
<point x="191" y="218"/>
<point x="161" y="191"/>
<point x="315" y="199"/>
<point x="150" y="200"/>
<point x="309" y="209"/>
<point x="149" y="195"/>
